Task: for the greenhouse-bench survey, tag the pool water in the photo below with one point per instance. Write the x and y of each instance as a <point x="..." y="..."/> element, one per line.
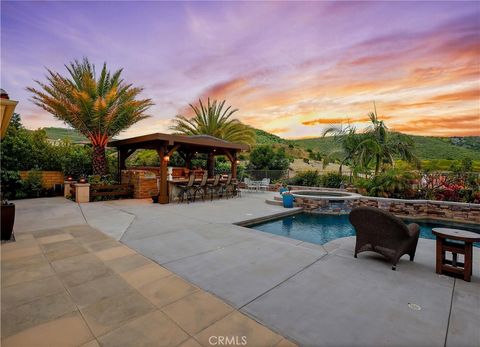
<point x="320" y="229"/>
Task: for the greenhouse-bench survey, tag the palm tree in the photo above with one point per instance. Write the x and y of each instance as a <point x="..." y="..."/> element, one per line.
<point x="382" y="146"/>
<point x="346" y="152"/>
<point x="99" y="108"/>
<point x="212" y="119"/>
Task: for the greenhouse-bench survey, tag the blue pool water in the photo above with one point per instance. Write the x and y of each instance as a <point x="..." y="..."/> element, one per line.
<point x="320" y="229"/>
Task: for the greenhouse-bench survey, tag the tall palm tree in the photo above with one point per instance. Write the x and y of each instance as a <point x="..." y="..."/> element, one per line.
<point x="382" y="146"/>
<point x="99" y="108"/>
<point x="346" y="153"/>
<point x="212" y="119"/>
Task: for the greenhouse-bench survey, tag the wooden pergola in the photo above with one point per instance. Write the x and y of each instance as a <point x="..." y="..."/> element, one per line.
<point x="186" y="146"/>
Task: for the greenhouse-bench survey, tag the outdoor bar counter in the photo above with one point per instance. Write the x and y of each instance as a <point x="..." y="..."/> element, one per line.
<point x="174" y="183"/>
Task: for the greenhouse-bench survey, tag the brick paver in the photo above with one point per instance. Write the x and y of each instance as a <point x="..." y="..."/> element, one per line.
<point x="75" y="286"/>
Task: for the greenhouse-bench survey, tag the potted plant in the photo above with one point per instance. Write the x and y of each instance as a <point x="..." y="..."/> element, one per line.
<point x="154" y="195"/>
<point x="7" y="219"/>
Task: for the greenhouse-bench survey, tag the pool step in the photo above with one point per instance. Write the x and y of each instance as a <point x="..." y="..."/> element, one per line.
<point x="277" y="202"/>
<point x="274" y="202"/>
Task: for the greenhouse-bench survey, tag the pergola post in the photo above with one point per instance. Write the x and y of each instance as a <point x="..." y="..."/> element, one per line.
<point x="122" y="157"/>
<point x="234" y="165"/>
<point x="211" y="164"/>
<point x="232" y="156"/>
<point x="163" y="196"/>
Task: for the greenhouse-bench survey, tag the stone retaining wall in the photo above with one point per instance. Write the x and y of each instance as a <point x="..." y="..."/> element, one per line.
<point x="49" y="178"/>
<point x="143" y="182"/>
<point x="457" y="211"/>
<point x="447" y="210"/>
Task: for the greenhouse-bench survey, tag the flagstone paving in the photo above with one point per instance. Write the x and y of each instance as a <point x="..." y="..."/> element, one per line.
<point x="216" y="277"/>
<point x="74" y="286"/>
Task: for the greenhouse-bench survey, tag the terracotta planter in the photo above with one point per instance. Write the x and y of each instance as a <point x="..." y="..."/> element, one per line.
<point x="8" y="219"/>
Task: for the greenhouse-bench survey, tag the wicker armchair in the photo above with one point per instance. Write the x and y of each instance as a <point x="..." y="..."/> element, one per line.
<point x="382" y="232"/>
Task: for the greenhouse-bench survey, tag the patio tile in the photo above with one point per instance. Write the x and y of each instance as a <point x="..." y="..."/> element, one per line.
<point x="18" y="263"/>
<point x="68" y="330"/>
<point x="285" y="343"/>
<point x="23" y="293"/>
<point x="112" y="253"/>
<point x="197" y="311"/>
<point x="54" y="238"/>
<point x="48" y="232"/>
<point x="22" y="237"/>
<point x="77" y="263"/>
<point x="237" y="325"/>
<point x="102" y="244"/>
<point x="15" y="253"/>
<point x="91" y="237"/>
<point x="145" y="274"/>
<point x="191" y="342"/>
<point x="166" y="290"/>
<point x="93" y="343"/>
<point x="127" y="263"/>
<point x="153" y="329"/>
<point x="39" y="311"/>
<point x="110" y="313"/>
<point x="19" y="243"/>
<point x="26" y="274"/>
<point x="64" y="249"/>
<point x="79" y="229"/>
<point x="91" y="273"/>
<point x="98" y="289"/>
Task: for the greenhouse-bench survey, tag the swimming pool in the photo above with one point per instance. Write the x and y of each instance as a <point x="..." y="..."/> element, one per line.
<point x="320" y="229"/>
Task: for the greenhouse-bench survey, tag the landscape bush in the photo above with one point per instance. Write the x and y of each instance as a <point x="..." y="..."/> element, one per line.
<point x="266" y="157"/>
<point x="310" y="178"/>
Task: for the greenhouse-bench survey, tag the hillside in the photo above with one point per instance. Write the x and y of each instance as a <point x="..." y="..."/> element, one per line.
<point x="426" y="147"/>
<point x="264" y="138"/>
<point x="63" y="133"/>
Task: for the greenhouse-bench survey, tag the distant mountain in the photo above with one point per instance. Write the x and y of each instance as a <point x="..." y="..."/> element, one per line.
<point x="264" y="138"/>
<point x="426" y="147"/>
<point x="64" y="133"/>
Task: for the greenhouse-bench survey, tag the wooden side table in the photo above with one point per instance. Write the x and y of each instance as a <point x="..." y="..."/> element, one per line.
<point x="463" y="246"/>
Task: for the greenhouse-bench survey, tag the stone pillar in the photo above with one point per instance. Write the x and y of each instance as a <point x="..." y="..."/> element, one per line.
<point x="66" y="188"/>
<point x="82" y="192"/>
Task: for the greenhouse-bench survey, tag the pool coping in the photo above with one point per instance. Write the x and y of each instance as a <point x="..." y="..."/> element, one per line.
<point x="249" y="222"/>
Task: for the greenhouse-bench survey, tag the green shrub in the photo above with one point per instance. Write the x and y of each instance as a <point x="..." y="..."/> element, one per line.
<point x="332" y="180"/>
<point x="32" y="185"/>
<point x="11" y="184"/>
<point x="392" y="183"/>
<point x="267" y="158"/>
<point x="310" y="178"/>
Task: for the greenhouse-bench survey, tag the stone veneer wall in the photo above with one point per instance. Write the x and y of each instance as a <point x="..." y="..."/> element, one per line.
<point x="49" y="178"/>
<point x="143" y="182"/>
<point x="456" y="211"/>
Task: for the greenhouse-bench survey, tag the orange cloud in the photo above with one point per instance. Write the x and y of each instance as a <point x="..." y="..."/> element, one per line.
<point x="460" y="125"/>
<point x="341" y="120"/>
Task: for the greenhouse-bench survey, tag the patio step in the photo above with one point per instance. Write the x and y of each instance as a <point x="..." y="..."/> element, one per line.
<point x="277" y="202"/>
<point x="274" y="202"/>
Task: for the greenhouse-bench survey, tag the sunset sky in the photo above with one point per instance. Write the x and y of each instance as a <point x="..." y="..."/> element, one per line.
<point x="291" y="68"/>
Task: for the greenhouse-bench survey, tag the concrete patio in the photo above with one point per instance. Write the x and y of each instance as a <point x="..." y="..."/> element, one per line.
<point x="312" y="295"/>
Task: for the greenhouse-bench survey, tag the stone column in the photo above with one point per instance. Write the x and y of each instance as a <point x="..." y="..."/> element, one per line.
<point x="82" y="192"/>
<point x="66" y="188"/>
